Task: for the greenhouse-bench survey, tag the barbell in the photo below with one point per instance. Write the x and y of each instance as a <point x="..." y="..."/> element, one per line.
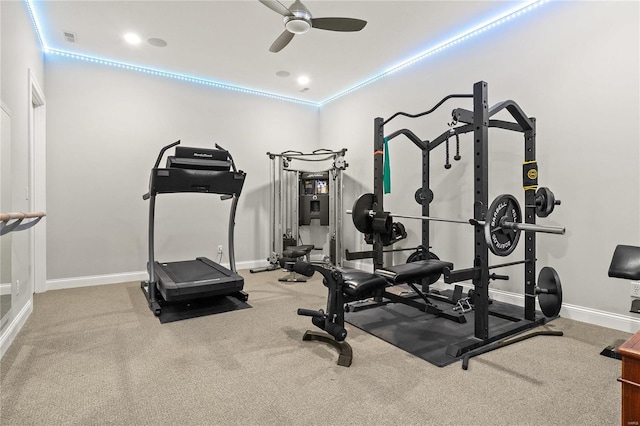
<point x="501" y="229"/>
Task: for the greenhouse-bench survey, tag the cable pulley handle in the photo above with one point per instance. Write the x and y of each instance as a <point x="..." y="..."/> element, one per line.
<point x="447" y="164"/>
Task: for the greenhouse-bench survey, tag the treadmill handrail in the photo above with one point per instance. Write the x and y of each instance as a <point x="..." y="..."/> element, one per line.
<point x="162" y="151"/>
<point x="233" y="164"/>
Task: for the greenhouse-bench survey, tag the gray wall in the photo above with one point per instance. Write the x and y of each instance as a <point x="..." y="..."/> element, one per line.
<point x="572" y="65"/>
<point x="105" y="127"/>
<point x="20" y="52"/>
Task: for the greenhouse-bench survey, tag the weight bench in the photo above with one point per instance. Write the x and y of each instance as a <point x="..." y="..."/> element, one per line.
<point x="343" y="287"/>
<point x="625" y="264"/>
<point x="292" y="254"/>
<point x="415" y="272"/>
<point x="352" y="285"/>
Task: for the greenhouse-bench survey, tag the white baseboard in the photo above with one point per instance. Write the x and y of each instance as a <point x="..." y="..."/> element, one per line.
<point x="11" y="331"/>
<point x="605" y="319"/>
<point x="624" y="323"/>
<point x="88" y="281"/>
<point x="249" y="264"/>
<point x="62" y="283"/>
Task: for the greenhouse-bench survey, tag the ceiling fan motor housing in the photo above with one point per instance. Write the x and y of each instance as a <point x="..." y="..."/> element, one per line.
<point x="299" y="22"/>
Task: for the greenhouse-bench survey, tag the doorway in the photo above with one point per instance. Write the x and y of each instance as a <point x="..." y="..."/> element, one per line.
<point x="38" y="183"/>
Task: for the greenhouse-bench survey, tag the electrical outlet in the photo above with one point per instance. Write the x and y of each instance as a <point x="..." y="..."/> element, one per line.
<point x="635" y="289"/>
<point x="220" y="252"/>
<point x="17" y="287"/>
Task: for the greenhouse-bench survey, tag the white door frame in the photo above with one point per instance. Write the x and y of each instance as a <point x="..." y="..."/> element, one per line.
<point x="37" y="183"/>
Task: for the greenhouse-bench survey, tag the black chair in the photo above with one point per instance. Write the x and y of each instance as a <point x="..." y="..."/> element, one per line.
<point x="625" y="264"/>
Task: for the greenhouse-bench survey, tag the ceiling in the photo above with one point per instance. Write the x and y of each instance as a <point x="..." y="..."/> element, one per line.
<point x="228" y="41"/>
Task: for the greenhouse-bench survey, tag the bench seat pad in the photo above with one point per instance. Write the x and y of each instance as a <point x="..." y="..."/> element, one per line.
<point x="408" y="272"/>
<point x="625" y="263"/>
<point x="360" y="284"/>
<point x="297" y="251"/>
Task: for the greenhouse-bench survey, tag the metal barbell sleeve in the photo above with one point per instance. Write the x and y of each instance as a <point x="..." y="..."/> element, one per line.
<point x="533" y="228"/>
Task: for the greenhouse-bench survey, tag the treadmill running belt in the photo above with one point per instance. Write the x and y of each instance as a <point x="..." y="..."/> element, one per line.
<point x="190" y="271"/>
<point x="191" y="279"/>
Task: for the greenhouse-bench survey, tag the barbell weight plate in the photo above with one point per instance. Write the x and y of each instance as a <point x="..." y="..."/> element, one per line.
<point x="423" y="195"/>
<point x="502" y="241"/>
<point x="360" y="213"/>
<point x="545" y="202"/>
<point x="551" y="300"/>
<point x="382" y="223"/>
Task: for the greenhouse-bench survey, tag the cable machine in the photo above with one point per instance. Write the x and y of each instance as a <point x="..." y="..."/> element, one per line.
<point x="305" y="198"/>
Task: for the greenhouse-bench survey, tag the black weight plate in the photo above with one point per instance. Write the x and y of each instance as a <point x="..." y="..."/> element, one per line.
<point x="545" y="202"/>
<point x="360" y="213"/>
<point x="551" y="302"/>
<point x="502" y="241"/>
<point x="421" y="195"/>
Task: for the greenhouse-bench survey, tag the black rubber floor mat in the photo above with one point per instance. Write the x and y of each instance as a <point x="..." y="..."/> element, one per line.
<point x="177" y="311"/>
<point x="425" y="335"/>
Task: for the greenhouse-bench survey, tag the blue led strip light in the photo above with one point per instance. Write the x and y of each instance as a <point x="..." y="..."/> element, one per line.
<point x="36" y="24"/>
<point x="177" y="76"/>
<point x="492" y="23"/>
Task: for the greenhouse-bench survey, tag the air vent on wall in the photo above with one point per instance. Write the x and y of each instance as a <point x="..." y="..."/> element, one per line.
<point x="69" y="36"/>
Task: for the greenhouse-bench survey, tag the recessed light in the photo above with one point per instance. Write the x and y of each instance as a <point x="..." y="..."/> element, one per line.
<point x="157" y="42"/>
<point x="303" y="79"/>
<point x="132" y="38"/>
<point x="283" y="73"/>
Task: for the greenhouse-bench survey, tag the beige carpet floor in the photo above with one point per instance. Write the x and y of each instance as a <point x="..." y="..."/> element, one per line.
<point x="97" y="356"/>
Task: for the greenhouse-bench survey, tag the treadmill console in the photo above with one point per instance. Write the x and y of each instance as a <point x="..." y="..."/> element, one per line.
<point x="199" y="159"/>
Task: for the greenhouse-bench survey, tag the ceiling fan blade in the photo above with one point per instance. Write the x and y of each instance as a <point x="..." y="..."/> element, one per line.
<point x="338" y="24"/>
<point x="281" y="41"/>
<point x="276" y="6"/>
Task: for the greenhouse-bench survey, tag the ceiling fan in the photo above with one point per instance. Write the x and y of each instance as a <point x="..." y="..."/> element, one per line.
<point x="298" y="20"/>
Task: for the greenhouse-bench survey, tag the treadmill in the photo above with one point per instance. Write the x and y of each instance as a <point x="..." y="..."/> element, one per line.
<point x="200" y="170"/>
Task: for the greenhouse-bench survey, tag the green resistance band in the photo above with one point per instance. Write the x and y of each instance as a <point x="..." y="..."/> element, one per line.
<point x="386" y="169"/>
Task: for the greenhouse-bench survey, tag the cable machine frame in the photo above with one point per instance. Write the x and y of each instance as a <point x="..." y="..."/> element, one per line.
<point x="284" y="201"/>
